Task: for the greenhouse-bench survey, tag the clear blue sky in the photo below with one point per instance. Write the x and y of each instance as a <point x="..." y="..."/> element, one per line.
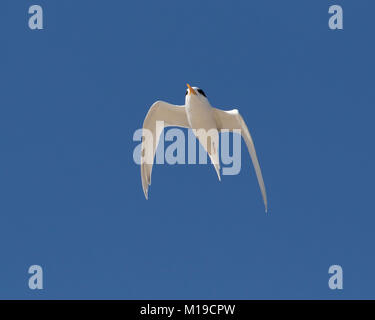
<point x="70" y="194"/>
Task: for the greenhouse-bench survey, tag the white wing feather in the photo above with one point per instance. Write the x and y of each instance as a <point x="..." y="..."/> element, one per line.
<point x="172" y="115"/>
<point x="233" y="120"/>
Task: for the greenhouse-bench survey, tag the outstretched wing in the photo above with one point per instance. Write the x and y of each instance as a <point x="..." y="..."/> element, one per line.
<point x="171" y="115"/>
<point x="233" y="120"/>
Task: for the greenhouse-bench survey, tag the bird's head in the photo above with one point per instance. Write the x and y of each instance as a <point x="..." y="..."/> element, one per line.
<point x="194" y="93"/>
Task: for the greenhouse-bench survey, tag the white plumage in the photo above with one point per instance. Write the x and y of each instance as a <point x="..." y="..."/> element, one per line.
<point x="197" y="113"/>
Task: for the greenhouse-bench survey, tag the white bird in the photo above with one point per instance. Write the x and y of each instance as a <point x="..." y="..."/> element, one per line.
<point x="197" y="113"/>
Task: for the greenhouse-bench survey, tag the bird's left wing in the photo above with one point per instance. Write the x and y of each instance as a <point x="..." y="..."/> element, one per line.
<point x="231" y="120"/>
<point x="171" y="115"/>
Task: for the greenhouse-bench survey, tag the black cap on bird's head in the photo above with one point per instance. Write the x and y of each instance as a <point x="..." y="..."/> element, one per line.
<point x="194" y="91"/>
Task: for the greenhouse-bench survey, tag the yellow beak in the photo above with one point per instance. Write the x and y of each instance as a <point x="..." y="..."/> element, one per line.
<point x="191" y="90"/>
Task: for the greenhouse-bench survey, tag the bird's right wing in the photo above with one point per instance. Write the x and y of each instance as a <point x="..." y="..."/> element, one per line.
<point x="231" y="120"/>
<point x="171" y="115"/>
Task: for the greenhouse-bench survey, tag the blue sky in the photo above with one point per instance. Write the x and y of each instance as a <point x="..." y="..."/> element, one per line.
<point x="73" y="94"/>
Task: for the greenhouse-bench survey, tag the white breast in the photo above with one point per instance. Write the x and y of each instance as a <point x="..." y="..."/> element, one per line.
<point x="200" y="114"/>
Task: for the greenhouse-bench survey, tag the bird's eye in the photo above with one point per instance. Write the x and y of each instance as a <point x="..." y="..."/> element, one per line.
<point x="201" y="92"/>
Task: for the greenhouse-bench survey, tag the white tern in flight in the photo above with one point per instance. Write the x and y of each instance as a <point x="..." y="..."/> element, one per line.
<point x="199" y="115"/>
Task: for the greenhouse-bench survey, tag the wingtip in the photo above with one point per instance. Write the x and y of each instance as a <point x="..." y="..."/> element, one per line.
<point x="217" y="169"/>
<point x="145" y="191"/>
